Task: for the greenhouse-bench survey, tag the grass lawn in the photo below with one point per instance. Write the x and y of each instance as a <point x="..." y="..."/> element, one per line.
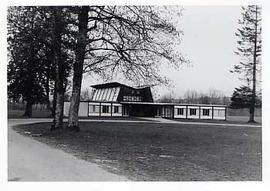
<point x="233" y="119"/>
<point x="167" y="152"/>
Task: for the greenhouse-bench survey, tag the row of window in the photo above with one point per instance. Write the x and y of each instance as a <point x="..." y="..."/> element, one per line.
<point x="192" y="111"/>
<point x="107" y="94"/>
<point x="132" y="98"/>
<point x="105" y="109"/>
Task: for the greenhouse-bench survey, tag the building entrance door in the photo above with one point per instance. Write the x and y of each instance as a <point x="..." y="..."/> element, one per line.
<point x="167" y="111"/>
<point x="158" y="114"/>
<point x="125" y="110"/>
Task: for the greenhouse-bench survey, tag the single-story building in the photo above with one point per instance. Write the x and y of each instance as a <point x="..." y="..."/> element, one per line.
<point x="115" y="99"/>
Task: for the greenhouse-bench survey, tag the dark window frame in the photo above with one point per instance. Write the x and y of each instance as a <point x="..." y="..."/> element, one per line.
<point x="206" y="112"/>
<point x="105" y="109"/>
<point x="192" y="111"/>
<point x="132" y="98"/>
<point x="116" y="109"/>
<point x="95" y="108"/>
<point x="180" y="111"/>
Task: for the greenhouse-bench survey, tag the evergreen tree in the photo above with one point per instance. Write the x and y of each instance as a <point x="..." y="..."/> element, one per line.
<point x="249" y="48"/>
<point x="39" y="56"/>
<point x="241" y="97"/>
<point x="25" y="26"/>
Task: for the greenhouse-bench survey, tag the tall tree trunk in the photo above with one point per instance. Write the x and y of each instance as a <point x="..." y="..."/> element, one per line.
<point x="47" y="88"/>
<point x="59" y="108"/>
<point x="253" y="99"/>
<point x="30" y="82"/>
<point x="54" y="100"/>
<point x="59" y="70"/>
<point x="29" y="98"/>
<point x="59" y="89"/>
<point x="78" y="69"/>
<point x="28" y="108"/>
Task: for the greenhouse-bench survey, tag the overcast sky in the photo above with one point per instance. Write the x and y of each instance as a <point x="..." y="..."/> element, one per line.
<point x="208" y="42"/>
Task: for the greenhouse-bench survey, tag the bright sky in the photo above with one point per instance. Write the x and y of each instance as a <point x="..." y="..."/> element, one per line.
<point x="208" y="42"/>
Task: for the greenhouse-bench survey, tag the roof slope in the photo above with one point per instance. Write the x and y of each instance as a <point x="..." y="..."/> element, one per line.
<point x="114" y="84"/>
<point x="109" y="85"/>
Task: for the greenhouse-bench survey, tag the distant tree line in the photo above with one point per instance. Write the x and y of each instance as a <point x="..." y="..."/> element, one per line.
<point x="195" y="97"/>
<point x="241" y="98"/>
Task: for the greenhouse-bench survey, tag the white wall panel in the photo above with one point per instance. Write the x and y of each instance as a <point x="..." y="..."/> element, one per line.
<point x="176" y="109"/>
<point x="109" y="112"/>
<point x="219" y="113"/>
<point x="91" y="112"/>
<point x="119" y="110"/>
<point x="206" y="116"/>
<point x="83" y="109"/>
<point x="193" y="116"/>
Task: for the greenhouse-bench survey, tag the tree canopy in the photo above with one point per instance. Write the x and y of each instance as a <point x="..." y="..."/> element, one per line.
<point x="45" y="42"/>
<point x="26" y="55"/>
<point x="131" y="40"/>
<point x="241" y="98"/>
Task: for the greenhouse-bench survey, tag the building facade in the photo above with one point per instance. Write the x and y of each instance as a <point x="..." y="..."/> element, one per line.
<point x="115" y="100"/>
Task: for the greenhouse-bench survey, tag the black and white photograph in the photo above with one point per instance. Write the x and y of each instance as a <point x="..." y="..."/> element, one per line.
<point x="134" y="93"/>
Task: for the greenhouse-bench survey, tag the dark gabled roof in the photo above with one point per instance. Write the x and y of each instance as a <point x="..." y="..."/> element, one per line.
<point x="112" y="85"/>
<point x="109" y="85"/>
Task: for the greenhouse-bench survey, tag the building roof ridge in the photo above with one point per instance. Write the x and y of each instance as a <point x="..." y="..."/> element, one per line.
<point x="116" y="84"/>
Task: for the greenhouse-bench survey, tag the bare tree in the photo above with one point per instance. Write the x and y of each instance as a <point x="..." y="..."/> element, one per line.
<point x="85" y="95"/>
<point x="128" y="39"/>
<point x="191" y="96"/>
